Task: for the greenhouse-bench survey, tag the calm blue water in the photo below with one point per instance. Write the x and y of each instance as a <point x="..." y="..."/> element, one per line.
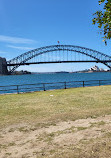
<point x="47" y="78"/>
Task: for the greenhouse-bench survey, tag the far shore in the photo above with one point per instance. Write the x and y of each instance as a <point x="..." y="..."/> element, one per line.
<point x="67" y="72"/>
<point x="54" y="72"/>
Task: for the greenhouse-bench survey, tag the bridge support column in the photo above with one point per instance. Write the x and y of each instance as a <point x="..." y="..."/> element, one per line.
<point x="3" y="66"/>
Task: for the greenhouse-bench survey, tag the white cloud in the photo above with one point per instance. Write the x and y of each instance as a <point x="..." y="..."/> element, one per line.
<point x="20" y="48"/>
<point x="2" y="52"/>
<point x="10" y="39"/>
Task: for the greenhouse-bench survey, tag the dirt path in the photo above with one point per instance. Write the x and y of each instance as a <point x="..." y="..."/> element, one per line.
<point x="25" y="141"/>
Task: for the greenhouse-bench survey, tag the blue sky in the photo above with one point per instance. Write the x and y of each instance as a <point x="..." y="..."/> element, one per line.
<point x="29" y="24"/>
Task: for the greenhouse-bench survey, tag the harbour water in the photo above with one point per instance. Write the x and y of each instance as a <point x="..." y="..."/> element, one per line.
<point x="52" y="78"/>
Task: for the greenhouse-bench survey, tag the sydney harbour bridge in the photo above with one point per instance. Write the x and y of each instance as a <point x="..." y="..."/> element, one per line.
<point x="58" y="54"/>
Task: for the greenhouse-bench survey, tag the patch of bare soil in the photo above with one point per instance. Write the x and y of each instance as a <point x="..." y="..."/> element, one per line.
<point x="26" y="141"/>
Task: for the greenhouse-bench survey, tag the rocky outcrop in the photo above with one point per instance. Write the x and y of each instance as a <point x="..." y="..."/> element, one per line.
<point x="3" y="66"/>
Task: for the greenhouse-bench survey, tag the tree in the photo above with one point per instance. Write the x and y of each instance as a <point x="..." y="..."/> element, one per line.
<point x="103" y="19"/>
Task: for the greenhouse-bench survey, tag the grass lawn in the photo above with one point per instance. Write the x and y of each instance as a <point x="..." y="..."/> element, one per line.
<point x="51" y="110"/>
<point x="54" y="106"/>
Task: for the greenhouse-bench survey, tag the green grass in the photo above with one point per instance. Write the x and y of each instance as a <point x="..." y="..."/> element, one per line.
<point x="42" y="109"/>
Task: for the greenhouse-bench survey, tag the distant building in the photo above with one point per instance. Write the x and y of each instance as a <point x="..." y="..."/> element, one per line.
<point x="101" y="69"/>
<point x="95" y="68"/>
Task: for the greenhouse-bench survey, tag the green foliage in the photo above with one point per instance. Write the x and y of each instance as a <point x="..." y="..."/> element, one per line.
<point x="103" y="19"/>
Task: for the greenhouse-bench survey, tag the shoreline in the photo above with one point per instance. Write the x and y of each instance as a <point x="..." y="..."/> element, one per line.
<point x="32" y="73"/>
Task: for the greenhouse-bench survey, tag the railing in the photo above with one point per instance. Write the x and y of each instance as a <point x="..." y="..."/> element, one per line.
<point x="50" y="86"/>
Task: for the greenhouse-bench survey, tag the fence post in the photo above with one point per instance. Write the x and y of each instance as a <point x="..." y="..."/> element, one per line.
<point x="99" y="82"/>
<point x="44" y="87"/>
<point x="65" y="85"/>
<point x="17" y="89"/>
<point x="83" y="83"/>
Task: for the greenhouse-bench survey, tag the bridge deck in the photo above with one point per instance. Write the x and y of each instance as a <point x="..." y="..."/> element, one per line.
<point x="48" y="62"/>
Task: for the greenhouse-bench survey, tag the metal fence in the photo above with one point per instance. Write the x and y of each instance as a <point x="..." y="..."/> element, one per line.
<point x="50" y="86"/>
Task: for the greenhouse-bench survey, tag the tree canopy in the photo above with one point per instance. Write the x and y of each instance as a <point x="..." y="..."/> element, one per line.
<point x="103" y="19"/>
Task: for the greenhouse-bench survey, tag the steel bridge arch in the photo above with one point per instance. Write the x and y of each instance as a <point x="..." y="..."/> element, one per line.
<point x="23" y="58"/>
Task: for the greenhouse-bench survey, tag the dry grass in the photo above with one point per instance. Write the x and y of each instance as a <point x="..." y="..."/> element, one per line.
<point x="46" y="121"/>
